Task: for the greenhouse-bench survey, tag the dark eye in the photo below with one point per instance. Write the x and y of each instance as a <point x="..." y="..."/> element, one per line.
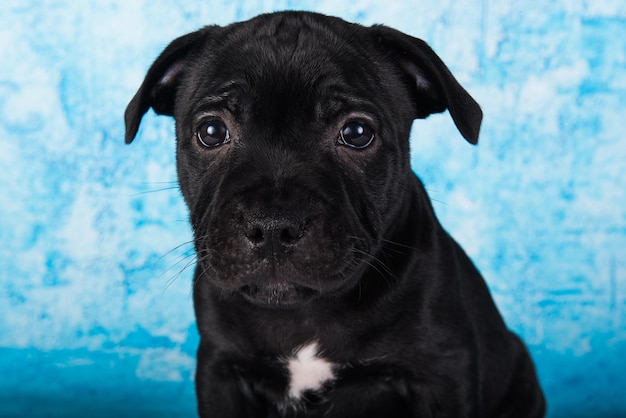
<point x="356" y="134"/>
<point x="213" y="133"/>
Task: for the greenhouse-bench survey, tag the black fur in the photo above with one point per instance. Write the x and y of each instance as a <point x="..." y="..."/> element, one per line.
<point x="301" y="237"/>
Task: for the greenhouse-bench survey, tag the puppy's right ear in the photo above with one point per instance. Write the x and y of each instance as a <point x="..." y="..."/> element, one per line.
<point x="158" y="89"/>
<point x="437" y="88"/>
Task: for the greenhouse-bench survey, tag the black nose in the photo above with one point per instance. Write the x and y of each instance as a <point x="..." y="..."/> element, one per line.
<point x="275" y="234"/>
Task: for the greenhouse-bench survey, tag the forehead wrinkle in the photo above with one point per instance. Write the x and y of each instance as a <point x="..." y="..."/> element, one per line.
<point x="216" y="96"/>
<point x="291" y="76"/>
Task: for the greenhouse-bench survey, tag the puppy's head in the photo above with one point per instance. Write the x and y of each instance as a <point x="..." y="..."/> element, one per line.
<point x="292" y="145"/>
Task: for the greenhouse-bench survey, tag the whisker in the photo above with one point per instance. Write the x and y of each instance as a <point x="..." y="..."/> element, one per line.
<point x="178" y="274"/>
<point x="163" y="189"/>
<point x="396" y="246"/>
<point x="169" y="185"/>
<point x="178" y="247"/>
<point x="180" y="258"/>
<point x="200" y="264"/>
<point x="383" y="265"/>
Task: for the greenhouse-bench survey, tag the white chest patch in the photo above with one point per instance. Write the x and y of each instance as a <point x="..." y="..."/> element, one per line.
<point x="308" y="371"/>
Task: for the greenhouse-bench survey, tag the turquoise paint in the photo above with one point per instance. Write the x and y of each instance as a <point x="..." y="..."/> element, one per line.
<point x="95" y="254"/>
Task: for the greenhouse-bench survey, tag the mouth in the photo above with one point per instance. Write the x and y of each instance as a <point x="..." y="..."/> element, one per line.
<point x="278" y="295"/>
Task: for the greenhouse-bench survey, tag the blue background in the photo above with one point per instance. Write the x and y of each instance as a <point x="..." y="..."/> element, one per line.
<point x="95" y="305"/>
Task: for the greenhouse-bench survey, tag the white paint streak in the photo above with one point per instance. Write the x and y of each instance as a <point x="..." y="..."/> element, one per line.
<point x="308" y="371"/>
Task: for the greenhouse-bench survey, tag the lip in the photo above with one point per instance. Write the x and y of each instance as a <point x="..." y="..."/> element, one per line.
<point x="278" y="294"/>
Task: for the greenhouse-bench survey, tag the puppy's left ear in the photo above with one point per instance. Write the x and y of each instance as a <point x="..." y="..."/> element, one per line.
<point x="437" y="89"/>
<point x="158" y="89"/>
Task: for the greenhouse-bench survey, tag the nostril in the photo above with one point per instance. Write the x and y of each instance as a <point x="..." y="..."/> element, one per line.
<point x="289" y="235"/>
<point x="274" y="233"/>
<point x="255" y="234"/>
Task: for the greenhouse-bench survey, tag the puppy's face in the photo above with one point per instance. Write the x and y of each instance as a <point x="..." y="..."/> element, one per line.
<point x="292" y="150"/>
<point x="290" y="156"/>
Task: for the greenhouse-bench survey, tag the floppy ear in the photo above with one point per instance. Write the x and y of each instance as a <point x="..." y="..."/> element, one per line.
<point x="437" y="89"/>
<point x="158" y="89"/>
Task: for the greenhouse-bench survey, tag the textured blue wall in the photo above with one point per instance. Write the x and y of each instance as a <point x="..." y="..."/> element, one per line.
<point x="95" y="306"/>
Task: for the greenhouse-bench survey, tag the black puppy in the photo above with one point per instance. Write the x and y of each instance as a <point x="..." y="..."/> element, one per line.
<point x="325" y="286"/>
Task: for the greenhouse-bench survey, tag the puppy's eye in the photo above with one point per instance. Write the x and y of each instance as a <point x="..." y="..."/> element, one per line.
<point x="213" y="133"/>
<point x="356" y="134"/>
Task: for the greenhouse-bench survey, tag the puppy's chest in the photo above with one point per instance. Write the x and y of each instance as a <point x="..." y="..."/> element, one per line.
<point x="308" y="371"/>
<point x="295" y="379"/>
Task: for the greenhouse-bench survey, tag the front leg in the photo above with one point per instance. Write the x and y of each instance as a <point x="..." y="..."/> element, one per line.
<point x="371" y="400"/>
<point x="365" y="392"/>
<point x="231" y="386"/>
<point x="219" y="391"/>
<point x="374" y="392"/>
